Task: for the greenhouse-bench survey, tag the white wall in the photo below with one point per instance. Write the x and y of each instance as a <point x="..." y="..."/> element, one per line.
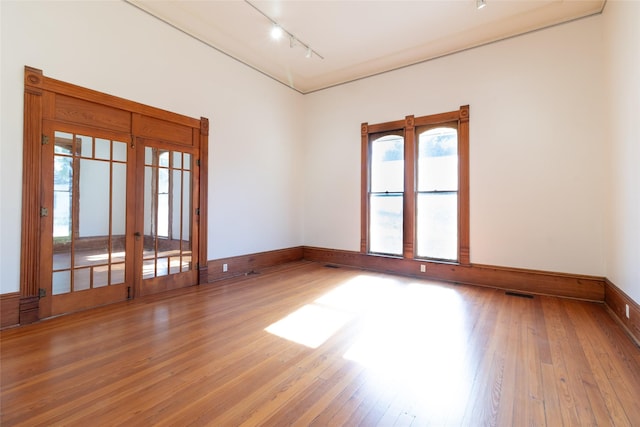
<point x="622" y="79"/>
<point x="115" y="48"/>
<point x="536" y="138"/>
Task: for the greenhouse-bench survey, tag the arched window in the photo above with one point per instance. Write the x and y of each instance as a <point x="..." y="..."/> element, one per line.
<point x="437" y="193"/>
<point x="386" y="194"/>
<point x="415" y="187"/>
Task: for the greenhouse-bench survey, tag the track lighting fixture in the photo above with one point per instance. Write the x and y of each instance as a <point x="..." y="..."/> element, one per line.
<point x="277" y="31"/>
<point x="480" y="4"/>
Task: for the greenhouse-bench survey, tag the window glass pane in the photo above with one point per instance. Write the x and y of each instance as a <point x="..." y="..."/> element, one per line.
<point x="150" y="223"/>
<point x="163" y="267"/>
<point x="61" y="253"/>
<point x="387" y="164"/>
<point x="437" y="226"/>
<point x="94" y="186"/>
<point x="176" y="201"/>
<point x="100" y="276"/>
<point x="174" y="265"/>
<point x="177" y="159"/>
<point x="186" y="207"/>
<point x="119" y="198"/>
<point x="163" y="158"/>
<point x="187" y="161"/>
<point x="117" y="273"/>
<point x="91" y="251"/>
<point x="81" y="279"/>
<point x="119" y="151"/>
<point x="103" y="149"/>
<point x="385" y="224"/>
<point x="163" y="202"/>
<point x="118" y="249"/>
<point x="149" y="269"/>
<point x="148" y="155"/>
<point x="84" y="146"/>
<point x="186" y="262"/>
<point x="61" y="282"/>
<point x="62" y="196"/>
<point x="438" y="160"/>
<point x="63" y="143"/>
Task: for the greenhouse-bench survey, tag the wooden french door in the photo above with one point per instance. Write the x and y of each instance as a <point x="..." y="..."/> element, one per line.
<point x="166" y="221"/>
<point x="117" y="221"/>
<point x="114" y="199"/>
<point x="86" y="256"/>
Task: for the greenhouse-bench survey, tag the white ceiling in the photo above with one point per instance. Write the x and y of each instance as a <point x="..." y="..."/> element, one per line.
<point x="356" y="38"/>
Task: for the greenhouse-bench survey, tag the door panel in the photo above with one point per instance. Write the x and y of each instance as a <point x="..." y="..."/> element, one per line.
<point x="167" y="220"/>
<point x="84" y="219"/>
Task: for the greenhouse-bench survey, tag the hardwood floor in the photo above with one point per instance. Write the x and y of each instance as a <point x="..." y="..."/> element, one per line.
<point x="304" y="344"/>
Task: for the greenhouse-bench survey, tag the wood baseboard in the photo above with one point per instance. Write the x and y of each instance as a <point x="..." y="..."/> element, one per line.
<point x="245" y="264"/>
<point x="615" y="300"/>
<point x="9" y="309"/>
<point x="589" y="288"/>
<point x="29" y="310"/>
<point x="16" y="310"/>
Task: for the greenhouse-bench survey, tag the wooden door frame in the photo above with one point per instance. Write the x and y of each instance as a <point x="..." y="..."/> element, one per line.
<point x="49" y="99"/>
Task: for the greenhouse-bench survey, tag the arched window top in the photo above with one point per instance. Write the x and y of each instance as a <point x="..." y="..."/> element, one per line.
<point x="387" y="163"/>
<point x="438" y="142"/>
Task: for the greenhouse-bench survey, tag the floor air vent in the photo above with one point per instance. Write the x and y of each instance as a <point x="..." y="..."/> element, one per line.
<point x="517" y="294"/>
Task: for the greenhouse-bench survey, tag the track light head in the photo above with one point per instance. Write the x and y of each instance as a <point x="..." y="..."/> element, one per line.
<point x="276" y="31"/>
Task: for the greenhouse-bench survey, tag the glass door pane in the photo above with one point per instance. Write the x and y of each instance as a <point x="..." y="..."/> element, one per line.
<point x="89" y="212"/>
<point x="167" y="213"/>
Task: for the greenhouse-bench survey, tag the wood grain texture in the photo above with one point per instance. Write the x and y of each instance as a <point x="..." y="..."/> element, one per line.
<point x="251" y="263"/>
<point x="78" y="111"/>
<point x="615" y="299"/>
<point x="392" y="351"/>
<point x="163" y="130"/>
<point x="588" y="288"/>
<point x="9" y="309"/>
<point x="31" y="166"/>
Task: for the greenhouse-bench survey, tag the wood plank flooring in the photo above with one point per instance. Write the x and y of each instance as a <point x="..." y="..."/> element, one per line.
<point x="307" y="345"/>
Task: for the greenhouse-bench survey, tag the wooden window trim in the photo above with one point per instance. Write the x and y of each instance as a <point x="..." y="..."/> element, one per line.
<point x="408" y="126"/>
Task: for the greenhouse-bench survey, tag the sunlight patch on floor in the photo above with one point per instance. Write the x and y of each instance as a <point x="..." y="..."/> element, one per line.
<point x="410" y="333"/>
<point x="311" y="325"/>
<point x="413" y="342"/>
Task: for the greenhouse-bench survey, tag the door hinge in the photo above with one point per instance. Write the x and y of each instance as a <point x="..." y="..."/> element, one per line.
<point x="44" y="212"/>
<point x="128" y="292"/>
<point x="197" y="266"/>
<point x="197" y="211"/>
<point x="45" y="139"/>
<point x="198" y="162"/>
<point x="42" y="293"/>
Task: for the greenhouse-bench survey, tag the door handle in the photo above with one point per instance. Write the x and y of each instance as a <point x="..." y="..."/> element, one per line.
<point x="137" y="234"/>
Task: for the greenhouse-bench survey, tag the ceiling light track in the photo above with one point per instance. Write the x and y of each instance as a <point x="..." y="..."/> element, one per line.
<point x="277" y="31"/>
